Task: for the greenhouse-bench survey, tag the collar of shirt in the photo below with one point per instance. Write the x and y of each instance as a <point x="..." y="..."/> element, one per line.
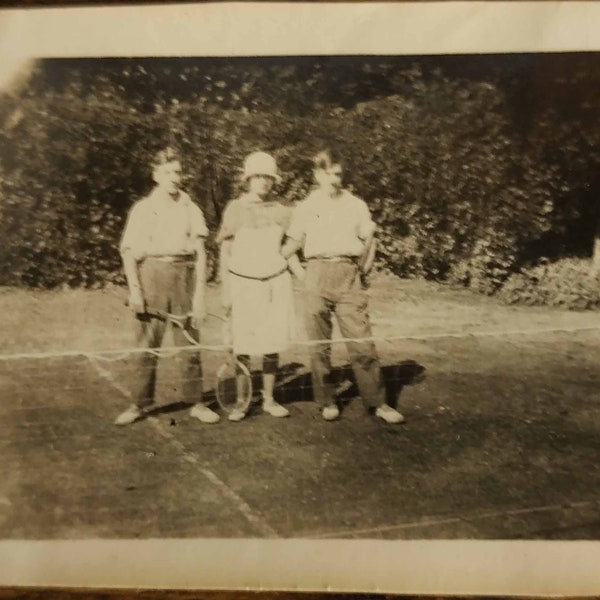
<point x="323" y="195"/>
<point x="250" y="198"/>
<point x="163" y="197"/>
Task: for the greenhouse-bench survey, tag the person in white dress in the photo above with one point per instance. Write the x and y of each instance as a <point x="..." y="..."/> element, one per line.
<point x="256" y="283"/>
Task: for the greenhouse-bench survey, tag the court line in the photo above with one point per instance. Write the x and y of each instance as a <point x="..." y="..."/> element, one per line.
<point x="120" y="354"/>
<point x="430" y="522"/>
<point x="106" y="374"/>
<point x="240" y="504"/>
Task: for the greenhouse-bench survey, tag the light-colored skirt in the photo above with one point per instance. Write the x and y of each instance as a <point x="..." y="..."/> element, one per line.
<point x="262" y="314"/>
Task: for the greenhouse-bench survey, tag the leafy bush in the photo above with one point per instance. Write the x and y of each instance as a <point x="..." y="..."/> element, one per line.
<point x="71" y="168"/>
<point x="447" y="182"/>
<point x="568" y="283"/>
<point x="458" y="193"/>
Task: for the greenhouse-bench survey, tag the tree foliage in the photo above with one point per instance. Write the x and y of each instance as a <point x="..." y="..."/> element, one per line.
<point x="473" y="167"/>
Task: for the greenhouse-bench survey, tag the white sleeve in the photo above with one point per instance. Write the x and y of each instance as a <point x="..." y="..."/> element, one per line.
<point x="297" y="228"/>
<point x="135" y="235"/>
<point x="365" y="226"/>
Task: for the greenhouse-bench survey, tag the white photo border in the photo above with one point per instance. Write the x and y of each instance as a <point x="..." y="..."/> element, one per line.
<point x="296" y="29"/>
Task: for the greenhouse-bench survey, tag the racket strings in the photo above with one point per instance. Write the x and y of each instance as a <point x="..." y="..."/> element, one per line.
<point x="234" y="389"/>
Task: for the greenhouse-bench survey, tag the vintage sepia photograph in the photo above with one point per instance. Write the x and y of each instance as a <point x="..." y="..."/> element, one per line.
<point x="307" y="297"/>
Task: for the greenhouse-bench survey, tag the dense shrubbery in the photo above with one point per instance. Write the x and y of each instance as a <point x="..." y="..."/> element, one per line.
<point x="71" y="167"/>
<point x="447" y="183"/>
<point x="458" y="191"/>
<point x="568" y="283"/>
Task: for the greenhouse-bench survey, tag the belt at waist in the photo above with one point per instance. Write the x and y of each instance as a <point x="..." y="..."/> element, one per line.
<point x="348" y="258"/>
<point x="174" y="258"/>
<point x="260" y="278"/>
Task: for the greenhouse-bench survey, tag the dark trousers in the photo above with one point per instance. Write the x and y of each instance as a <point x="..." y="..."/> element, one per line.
<point x="167" y="287"/>
<point x="335" y="287"/>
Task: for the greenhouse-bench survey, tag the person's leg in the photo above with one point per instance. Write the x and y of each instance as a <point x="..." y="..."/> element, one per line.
<point x="270" y="367"/>
<point x="238" y="412"/>
<point x="317" y="314"/>
<point x="182" y="290"/>
<point x="149" y="333"/>
<point x="241" y="377"/>
<point x="319" y="327"/>
<point x="353" y="319"/>
<point x="190" y="366"/>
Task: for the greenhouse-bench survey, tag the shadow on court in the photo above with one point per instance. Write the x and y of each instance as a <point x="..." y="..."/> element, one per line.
<point x="294" y="384"/>
<point x="298" y="382"/>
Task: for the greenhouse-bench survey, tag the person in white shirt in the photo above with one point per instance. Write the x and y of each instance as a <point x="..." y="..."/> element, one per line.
<point x="336" y="232"/>
<point x="256" y="283"/>
<point x="163" y="254"/>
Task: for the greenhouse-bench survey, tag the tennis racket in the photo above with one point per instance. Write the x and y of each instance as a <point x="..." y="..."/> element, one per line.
<point x="233" y="389"/>
<point x="234" y="380"/>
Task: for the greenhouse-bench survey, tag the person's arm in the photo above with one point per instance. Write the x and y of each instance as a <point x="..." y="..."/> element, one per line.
<point x="224" y="255"/>
<point x="290" y="248"/>
<point x="294" y="242"/>
<point x="136" y="296"/>
<point x="366" y="233"/>
<point x="131" y="241"/>
<point x="198" y="233"/>
<point x="295" y="234"/>
<point x="224" y="239"/>
<point x="368" y="256"/>
<point x="296" y="267"/>
<point x="198" y="300"/>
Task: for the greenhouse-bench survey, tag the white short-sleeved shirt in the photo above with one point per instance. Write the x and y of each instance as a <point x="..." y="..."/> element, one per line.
<point x="157" y="225"/>
<point x="331" y="226"/>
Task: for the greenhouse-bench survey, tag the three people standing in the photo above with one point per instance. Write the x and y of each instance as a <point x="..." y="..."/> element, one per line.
<point x="331" y="226"/>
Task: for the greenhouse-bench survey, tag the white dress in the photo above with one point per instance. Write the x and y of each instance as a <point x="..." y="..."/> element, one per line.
<point x="262" y="311"/>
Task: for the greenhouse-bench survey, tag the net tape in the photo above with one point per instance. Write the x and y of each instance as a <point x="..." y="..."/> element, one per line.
<point x="167" y="351"/>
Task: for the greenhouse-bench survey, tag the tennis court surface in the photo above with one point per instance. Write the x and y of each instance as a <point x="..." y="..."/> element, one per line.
<point x="501" y="439"/>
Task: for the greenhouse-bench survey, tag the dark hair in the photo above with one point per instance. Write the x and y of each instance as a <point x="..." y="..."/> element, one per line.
<point x="327" y="158"/>
<point x="165" y="155"/>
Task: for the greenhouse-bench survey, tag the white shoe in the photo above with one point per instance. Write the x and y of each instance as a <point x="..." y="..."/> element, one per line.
<point x="236" y="415"/>
<point x="129" y="416"/>
<point x="389" y="414"/>
<point x="204" y="414"/>
<point x="274" y="408"/>
<point x="331" y="413"/>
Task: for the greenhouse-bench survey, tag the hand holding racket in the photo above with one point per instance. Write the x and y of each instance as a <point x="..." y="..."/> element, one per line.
<point x="136" y="301"/>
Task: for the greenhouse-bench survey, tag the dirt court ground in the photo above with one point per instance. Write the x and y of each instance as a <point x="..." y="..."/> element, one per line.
<point x="501" y="439"/>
